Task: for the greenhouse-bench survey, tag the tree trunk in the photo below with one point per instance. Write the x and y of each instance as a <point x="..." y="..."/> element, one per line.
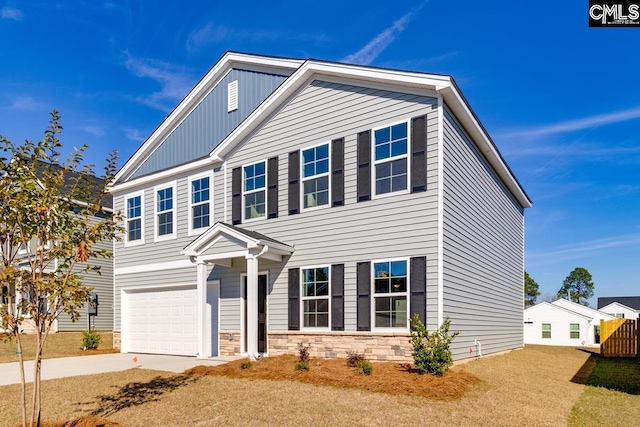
<point x="35" y="408"/>
<point x="23" y="390"/>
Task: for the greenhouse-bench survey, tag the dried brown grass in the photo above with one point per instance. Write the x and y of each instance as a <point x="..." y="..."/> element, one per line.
<point x="387" y="377"/>
<point x="530" y="387"/>
<point x="61" y="344"/>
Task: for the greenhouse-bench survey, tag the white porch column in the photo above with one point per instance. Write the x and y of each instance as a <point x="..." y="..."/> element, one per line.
<point x="203" y="352"/>
<point x="252" y="305"/>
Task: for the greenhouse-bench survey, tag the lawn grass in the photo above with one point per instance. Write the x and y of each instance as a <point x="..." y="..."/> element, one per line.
<point x="530" y="387"/>
<point x="612" y="395"/>
<point x="61" y="344"/>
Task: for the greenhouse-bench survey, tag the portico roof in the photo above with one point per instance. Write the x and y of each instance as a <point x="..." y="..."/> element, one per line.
<point x="224" y="241"/>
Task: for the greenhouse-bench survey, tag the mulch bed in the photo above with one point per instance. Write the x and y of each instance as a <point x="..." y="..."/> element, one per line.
<point x="387" y="377"/>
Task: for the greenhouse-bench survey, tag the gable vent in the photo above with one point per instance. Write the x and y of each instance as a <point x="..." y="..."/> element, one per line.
<point x="232" y="96"/>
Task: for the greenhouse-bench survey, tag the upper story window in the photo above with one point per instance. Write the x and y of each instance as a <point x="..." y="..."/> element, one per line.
<point x="391" y="160"/>
<point x="315" y="176"/>
<point x="134" y="219"/>
<point x="165" y="212"/>
<point x="200" y="198"/>
<point x="315" y="297"/>
<point x="390" y="294"/>
<point x="254" y="188"/>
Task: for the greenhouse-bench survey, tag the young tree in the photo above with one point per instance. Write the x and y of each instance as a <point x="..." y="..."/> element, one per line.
<point x="578" y="286"/>
<point x="531" y="290"/>
<point x="51" y="216"/>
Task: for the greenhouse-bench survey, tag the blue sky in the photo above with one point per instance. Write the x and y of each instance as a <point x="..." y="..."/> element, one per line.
<point x="561" y="100"/>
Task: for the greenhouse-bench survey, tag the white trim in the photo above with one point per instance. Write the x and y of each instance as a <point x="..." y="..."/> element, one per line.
<point x="303" y="298"/>
<point x="254" y="191"/>
<point x="440" y="207"/>
<point x="148" y="268"/>
<point x="190" y="179"/>
<point x="317" y="176"/>
<point x="160" y="176"/>
<point x="225" y="192"/>
<point x="374" y="162"/>
<point x="174" y="208"/>
<point x="125" y="210"/>
<point x="387" y="295"/>
<point x="209" y="82"/>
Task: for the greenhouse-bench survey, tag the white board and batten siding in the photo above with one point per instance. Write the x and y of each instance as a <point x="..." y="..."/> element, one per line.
<point x="483" y="254"/>
<point x="620" y="310"/>
<point x="399" y="225"/>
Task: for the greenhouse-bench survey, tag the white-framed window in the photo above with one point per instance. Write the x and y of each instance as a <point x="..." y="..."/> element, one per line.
<point x="391" y="159"/>
<point x="165" y="211"/>
<point x="315" y="300"/>
<point x="546" y="330"/>
<point x="134" y="219"/>
<point x="254" y="185"/>
<point x="200" y="202"/>
<point x="574" y="331"/>
<point x="390" y="302"/>
<point x="315" y="176"/>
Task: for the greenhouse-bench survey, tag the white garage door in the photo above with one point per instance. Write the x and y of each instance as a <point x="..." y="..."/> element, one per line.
<point x="162" y="321"/>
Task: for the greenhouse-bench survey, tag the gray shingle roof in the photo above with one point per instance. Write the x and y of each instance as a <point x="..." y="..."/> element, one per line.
<point x="633" y="302"/>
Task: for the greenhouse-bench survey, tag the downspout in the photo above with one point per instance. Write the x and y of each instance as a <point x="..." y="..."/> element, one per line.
<point x="224" y="174"/>
<point x="440" y="204"/>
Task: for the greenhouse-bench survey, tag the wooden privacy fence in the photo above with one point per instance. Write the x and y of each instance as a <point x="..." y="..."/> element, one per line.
<point x="619" y="338"/>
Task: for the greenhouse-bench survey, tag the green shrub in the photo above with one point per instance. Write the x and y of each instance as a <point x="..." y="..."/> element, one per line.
<point x="245" y="364"/>
<point x="354" y="357"/>
<point x="90" y="340"/>
<point x="431" y="351"/>
<point x="364" y="367"/>
<point x="302" y="366"/>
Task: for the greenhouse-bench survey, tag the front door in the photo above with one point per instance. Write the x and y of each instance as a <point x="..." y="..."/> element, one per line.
<point x="262" y="313"/>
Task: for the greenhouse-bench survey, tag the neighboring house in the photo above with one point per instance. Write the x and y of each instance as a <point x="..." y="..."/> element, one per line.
<point x="102" y="284"/>
<point x="287" y="201"/>
<point x="621" y="307"/>
<point x="562" y="323"/>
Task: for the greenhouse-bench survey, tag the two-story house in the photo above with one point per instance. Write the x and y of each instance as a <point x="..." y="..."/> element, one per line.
<point x="286" y="201"/>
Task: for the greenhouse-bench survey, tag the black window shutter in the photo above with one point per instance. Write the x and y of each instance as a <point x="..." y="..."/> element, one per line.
<point x="418" y="287"/>
<point x="337" y="297"/>
<point x="294" y="299"/>
<point x="364" y="296"/>
<point x="337" y="172"/>
<point x="294" y="182"/>
<point x="364" y="166"/>
<point x="236" y="196"/>
<point x="419" y="154"/>
<point x="272" y="187"/>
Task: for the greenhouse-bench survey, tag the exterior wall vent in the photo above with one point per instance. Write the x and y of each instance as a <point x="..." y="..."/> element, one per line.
<point x="232" y="96"/>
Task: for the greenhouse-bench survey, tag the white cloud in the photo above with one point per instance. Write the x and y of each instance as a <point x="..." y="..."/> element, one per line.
<point x="8" y="12"/>
<point x="134" y="134"/>
<point x="95" y="130"/>
<point x="174" y="81"/>
<point x="370" y="52"/>
<point x="578" y="124"/>
<point x="25" y="103"/>
<point x="581" y="250"/>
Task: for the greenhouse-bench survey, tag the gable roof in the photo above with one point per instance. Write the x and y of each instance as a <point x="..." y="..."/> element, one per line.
<point x="304" y="72"/>
<point x="228" y="61"/>
<point x="631" y="302"/>
<point x="556" y="307"/>
<point x="573" y="306"/>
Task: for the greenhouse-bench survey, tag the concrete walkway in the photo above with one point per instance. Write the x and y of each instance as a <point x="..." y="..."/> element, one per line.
<point x="88" y="365"/>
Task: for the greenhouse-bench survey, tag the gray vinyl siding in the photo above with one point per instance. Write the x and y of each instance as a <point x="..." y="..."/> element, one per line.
<point x="483" y="249"/>
<point x="209" y="123"/>
<point x="396" y="226"/>
<point x="103" y="286"/>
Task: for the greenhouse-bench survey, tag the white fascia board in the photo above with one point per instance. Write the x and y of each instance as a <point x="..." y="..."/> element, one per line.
<point x="195" y="97"/>
<point x="618" y="304"/>
<point x="208" y="238"/>
<point x="460" y="108"/>
<point x="277" y="248"/>
<point x="578" y="307"/>
<point x="159" y="176"/>
<point x="311" y="70"/>
<point x="556" y="307"/>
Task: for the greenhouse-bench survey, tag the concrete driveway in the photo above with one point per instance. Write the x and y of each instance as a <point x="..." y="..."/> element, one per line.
<point x="88" y="365"/>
